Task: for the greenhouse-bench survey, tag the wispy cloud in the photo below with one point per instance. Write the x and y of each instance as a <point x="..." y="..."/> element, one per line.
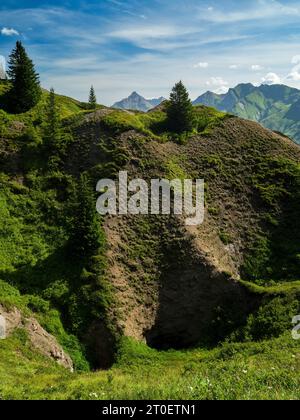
<point x="253" y="10"/>
<point x="120" y="46"/>
<point x="138" y="34"/>
<point x="218" y="84"/>
<point x="256" y="67"/>
<point x="201" y="65"/>
<point x="295" y="73"/>
<point x="126" y="7"/>
<point x="9" y="32"/>
<point x="271" y="79"/>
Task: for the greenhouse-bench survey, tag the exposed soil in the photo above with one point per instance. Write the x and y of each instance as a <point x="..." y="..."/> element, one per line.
<point x="172" y="282"/>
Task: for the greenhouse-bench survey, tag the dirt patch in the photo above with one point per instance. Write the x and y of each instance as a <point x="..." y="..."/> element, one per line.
<point x="97" y="115"/>
<point x="171" y="280"/>
<point x="174" y="285"/>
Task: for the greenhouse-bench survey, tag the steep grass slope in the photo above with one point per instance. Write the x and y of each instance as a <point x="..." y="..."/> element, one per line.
<point x="234" y="279"/>
<point x="275" y="107"/>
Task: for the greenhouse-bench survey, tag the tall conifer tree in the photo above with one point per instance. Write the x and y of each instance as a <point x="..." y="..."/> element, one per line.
<point x="26" y="91"/>
<point x="85" y="236"/>
<point x="180" y="111"/>
<point x="52" y="125"/>
<point x="92" y="98"/>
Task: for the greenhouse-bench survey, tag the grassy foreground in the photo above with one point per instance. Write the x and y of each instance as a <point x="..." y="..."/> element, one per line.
<point x="260" y="371"/>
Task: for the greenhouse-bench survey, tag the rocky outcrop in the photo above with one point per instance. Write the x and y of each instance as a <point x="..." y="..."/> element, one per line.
<point x="40" y="339"/>
<point x="138" y="103"/>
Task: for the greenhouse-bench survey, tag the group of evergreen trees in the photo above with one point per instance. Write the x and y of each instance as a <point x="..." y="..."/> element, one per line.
<point x="25" y="90"/>
<point x="25" y="93"/>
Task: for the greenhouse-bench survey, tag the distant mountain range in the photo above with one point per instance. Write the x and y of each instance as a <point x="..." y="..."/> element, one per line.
<point x="137" y="102"/>
<point x="276" y="107"/>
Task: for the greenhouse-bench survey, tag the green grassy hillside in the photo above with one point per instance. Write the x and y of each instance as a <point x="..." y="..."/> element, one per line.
<point x="224" y="294"/>
<point x="275" y="107"/>
<point x="266" y="370"/>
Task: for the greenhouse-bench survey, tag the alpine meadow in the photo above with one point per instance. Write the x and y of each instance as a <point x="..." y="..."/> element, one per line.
<point x="132" y="302"/>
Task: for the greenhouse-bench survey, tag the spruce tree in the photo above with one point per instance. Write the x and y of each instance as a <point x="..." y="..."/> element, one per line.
<point x="26" y="91"/>
<point x="52" y="124"/>
<point x="92" y="98"/>
<point x="85" y="238"/>
<point x="180" y="110"/>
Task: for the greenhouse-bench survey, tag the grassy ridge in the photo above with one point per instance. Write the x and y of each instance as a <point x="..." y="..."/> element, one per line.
<point x="260" y="360"/>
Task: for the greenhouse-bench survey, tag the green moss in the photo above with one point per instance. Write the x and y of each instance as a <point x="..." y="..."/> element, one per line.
<point x="174" y="168"/>
<point x="214" y="211"/>
<point x="154" y="123"/>
<point x="274" y="255"/>
<point x="10" y="297"/>
<point x="120" y="121"/>
<point x="225" y="237"/>
<point x="272" y="319"/>
<point x="208" y="118"/>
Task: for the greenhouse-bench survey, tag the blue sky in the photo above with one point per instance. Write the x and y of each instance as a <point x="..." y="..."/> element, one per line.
<point x="120" y="46"/>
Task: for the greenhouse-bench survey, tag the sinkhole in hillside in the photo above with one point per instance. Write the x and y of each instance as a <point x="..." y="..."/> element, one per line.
<point x="170" y="341"/>
<point x="186" y="303"/>
<point x="195" y="307"/>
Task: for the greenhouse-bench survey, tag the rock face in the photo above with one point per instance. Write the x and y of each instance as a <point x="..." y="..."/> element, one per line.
<point x="137" y="102"/>
<point x="44" y="342"/>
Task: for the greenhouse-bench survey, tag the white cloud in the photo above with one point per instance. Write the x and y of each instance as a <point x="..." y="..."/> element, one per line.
<point x="172" y="40"/>
<point x="221" y="90"/>
<point x="296" y="59"/>
<point x="216" y="81"/>
<point x="294" y="75"/>
<point x="170" y="36"/>
<point x="218" y="84"/>
<point x="201" y="66"/>
<point x="2" y="66"/>
<point x="9" y="32"/>
<point x="262" y="9"/>
<point x="295" y="72"/>
<point x="271" y="79"/>
<point x="80" y="63"/>
<point x="139" y="33"/>
<point x="256" y="67"/>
